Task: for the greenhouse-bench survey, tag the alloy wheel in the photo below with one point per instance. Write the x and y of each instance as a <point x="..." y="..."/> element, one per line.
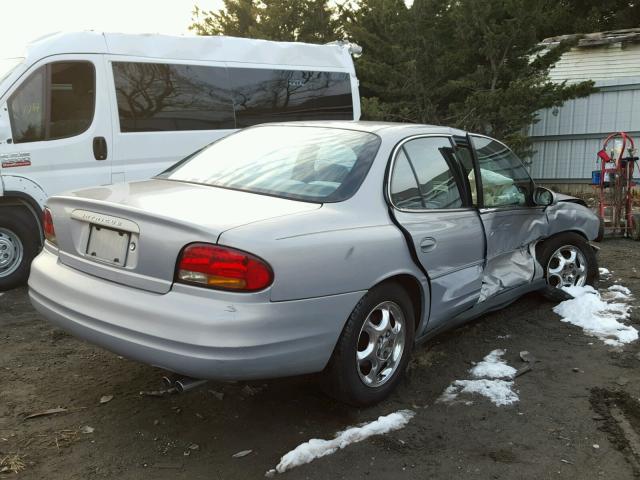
<point x="381" y="343"/>
<point x="567" y="267"/>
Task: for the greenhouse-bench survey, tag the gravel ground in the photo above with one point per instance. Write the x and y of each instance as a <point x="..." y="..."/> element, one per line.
<point x="578" y="414"/>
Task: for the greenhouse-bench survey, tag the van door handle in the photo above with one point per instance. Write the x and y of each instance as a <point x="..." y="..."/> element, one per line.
<point x="100" y="151"/>
<point x="428" y="244"/>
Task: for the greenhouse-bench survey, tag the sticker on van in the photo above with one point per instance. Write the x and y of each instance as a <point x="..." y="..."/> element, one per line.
<point x="20" y="159"/>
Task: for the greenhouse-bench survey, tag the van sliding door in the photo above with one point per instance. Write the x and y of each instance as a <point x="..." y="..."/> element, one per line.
<point x="165" y="111"/>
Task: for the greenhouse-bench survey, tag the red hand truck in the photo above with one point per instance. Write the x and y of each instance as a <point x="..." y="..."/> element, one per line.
<point x="614" y="184"/>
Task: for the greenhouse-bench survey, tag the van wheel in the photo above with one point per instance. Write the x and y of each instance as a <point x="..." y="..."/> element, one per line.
<point x="19" y="244"/>
<point x="568" y="261"/>
<point x="374" y="348"/>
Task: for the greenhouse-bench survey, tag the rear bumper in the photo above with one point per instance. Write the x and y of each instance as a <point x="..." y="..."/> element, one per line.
<point x="188" y="331"/>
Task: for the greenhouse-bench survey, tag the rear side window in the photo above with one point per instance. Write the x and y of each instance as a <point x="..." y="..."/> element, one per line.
<point x="56" y="101"/>
<point x="404" y="185"/>
<point x="433" y="186"/>
<point x="155" y="97"/>
<point x="266" y="95"/>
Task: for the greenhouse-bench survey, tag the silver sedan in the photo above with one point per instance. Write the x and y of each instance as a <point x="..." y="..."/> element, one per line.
<point x="288" y="249"/>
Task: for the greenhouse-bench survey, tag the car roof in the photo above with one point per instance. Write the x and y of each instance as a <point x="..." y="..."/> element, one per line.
<point x="377" y="127"/>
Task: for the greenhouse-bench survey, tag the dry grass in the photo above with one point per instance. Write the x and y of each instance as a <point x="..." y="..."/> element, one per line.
<point x="64" y="438"/>
<point x="12" y="463"/>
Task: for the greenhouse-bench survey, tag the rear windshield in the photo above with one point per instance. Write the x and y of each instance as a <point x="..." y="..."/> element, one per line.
<point x="314" y="164"/>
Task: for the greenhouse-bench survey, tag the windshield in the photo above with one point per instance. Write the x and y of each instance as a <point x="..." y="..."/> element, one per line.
<point x="7" y="65"/>
<point x="316" y="164"/>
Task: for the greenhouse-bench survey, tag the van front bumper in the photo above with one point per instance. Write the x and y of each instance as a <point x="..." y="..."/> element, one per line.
<point x="188" y="331"/>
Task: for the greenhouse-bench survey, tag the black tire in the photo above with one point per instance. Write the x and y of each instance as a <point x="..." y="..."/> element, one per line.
<point x="18" y="223"/>
<point x="600" y="236"/>
<point x="552" y="245"/>
<point x="341" y="378"/>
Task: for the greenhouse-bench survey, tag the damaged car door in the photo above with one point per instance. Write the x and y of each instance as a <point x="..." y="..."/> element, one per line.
<point x="512" y="222"/>
<point x="431" y="203"/>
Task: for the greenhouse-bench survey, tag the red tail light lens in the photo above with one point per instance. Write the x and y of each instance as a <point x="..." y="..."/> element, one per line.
<point x="47" y="225"/>
<point x="223" y="268"/>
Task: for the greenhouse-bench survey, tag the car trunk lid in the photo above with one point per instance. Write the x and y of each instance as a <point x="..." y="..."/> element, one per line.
<point x="133" y="233"/>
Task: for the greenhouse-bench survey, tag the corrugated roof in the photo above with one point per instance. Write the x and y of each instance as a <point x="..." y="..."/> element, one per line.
<point x="597" y="39"/>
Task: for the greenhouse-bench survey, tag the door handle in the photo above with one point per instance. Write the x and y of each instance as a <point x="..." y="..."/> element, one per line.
<point x="100" y="151"/>
<point x="427" y="244"/>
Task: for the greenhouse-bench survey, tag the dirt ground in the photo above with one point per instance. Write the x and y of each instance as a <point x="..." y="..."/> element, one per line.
<point x="580" y="393"/>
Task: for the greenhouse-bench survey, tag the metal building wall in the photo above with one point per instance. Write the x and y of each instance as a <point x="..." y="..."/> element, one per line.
<point x="566" y="139"/>
<point x="598" y="63"/>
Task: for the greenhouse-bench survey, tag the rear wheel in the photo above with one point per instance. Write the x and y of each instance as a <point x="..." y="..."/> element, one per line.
<point x="374" y="348"/>
<point x="19" y="244"/>
<point x="568" y="261"/>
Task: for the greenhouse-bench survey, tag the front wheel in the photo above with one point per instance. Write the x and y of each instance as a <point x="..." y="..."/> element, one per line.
<point x="19" y="244"/>
<point x="568" y="261"/>
<point x="374" y="348"/>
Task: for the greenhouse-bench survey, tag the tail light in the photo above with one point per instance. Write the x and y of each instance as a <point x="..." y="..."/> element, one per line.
<point x="47" y="226"/>
<point x="223" y="268"/>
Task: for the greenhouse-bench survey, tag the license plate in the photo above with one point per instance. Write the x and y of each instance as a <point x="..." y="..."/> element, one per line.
<point x="108" y="245"/>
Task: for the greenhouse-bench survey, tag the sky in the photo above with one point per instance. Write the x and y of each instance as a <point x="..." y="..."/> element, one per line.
<point x="26" y="20"/>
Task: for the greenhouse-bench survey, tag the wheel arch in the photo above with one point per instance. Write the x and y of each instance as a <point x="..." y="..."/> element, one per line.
<point x="555" y="235"/>
<point x="419" y="298"/>
<point x="12" y="199"/>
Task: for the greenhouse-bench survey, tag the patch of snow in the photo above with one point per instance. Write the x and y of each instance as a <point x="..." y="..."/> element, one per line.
<point x="317" y="448"/>
<point x="500" y="392"/>
<point x="597" y="316"/>
<point x="621" y="289"/>
<point x="489" y="374"/>
<point x="604" y="272"/>
<point x="492" y="366"/>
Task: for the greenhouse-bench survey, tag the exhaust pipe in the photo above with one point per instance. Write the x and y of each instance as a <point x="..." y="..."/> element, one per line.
<point x="168" y="382"/>
<point x="182" y="384"/>
<point x="186" y="384"/>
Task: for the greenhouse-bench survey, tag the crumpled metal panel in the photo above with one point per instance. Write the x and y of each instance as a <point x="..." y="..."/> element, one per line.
<point x="569" y="216"/>
<point x="512" y="237"/>
<point x="510" y="270"/>
<point x="508" y="230"/>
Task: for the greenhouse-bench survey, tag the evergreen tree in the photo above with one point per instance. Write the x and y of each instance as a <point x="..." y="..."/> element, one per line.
<point x="474" y="64"/>
<point x="285" y="20"/>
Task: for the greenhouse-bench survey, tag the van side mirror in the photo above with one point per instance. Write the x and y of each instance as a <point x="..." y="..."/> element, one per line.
<point x="543" y="197"/>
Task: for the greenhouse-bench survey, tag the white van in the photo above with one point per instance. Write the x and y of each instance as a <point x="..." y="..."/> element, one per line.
<point x="84" y="109"/>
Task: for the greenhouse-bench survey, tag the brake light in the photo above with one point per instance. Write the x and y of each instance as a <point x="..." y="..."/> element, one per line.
<point x="47" y="225"/>
<point x="223" y="268"/>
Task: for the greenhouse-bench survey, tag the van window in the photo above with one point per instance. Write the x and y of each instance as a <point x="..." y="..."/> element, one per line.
<point x="26" y="109"/>
<point x="55" y="101"/>
<point x="72" y="98"/>
<point x="162" y="97"/>
<point x="265" y="95"/>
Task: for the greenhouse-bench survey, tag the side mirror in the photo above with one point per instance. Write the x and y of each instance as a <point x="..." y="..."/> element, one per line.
<point x="543" y="197"/>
